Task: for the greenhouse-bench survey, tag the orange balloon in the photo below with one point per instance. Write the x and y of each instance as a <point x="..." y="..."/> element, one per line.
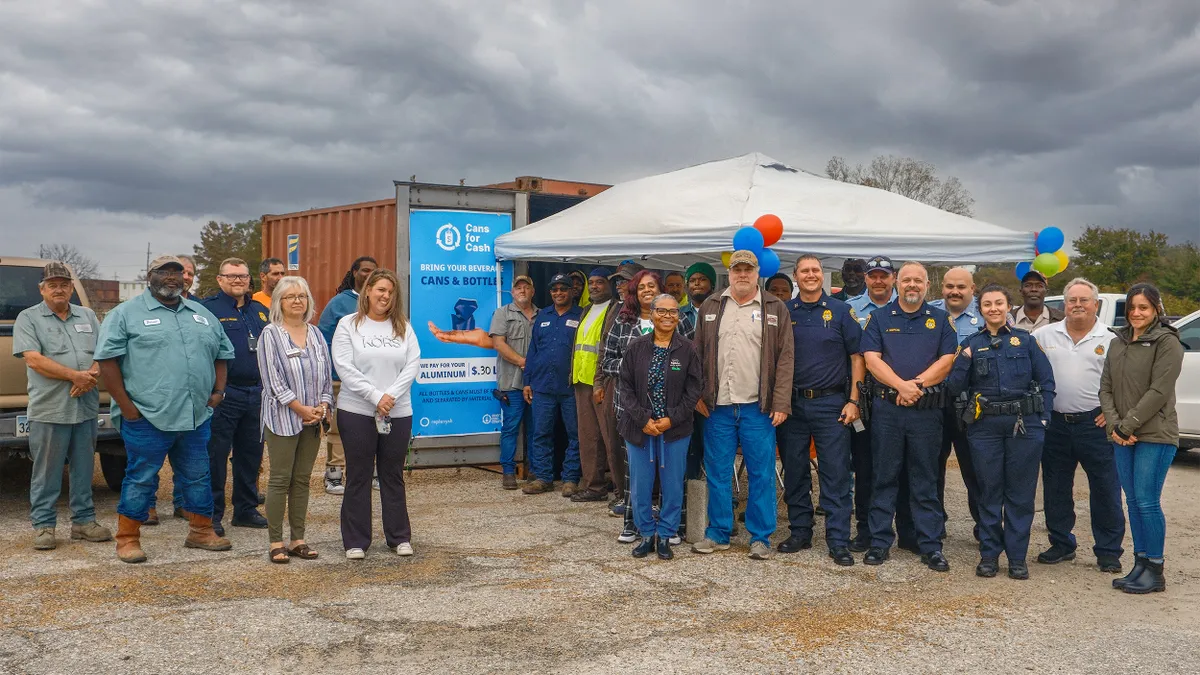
<point x="771" y="227"/>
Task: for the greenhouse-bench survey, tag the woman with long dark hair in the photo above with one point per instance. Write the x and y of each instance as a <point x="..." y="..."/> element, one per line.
<point x="1137" y="395"/>
<point x="376" y="351"/>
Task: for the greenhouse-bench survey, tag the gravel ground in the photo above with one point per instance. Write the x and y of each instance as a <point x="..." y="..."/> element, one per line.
<point x="507" y="582"/>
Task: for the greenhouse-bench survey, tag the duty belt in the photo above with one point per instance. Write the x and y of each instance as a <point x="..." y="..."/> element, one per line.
<point x="818" y="393"/>
<point x="1021" y="406"/>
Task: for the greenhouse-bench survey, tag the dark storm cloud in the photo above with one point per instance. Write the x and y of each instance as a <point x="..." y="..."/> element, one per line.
<point x="1064" y="112"/>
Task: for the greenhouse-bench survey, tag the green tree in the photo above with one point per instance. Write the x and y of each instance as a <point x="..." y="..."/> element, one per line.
<point x="906" y="176"/>
<point x="1178" y="271"/>
<point x="219" y="241"/>
<point x="1118" y="257"/>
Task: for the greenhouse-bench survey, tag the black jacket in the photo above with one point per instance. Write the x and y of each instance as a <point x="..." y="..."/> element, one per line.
<point x="683" y="387"/>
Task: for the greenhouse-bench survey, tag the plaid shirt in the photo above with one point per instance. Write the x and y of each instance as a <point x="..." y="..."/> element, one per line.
<point x="618" y="339"/>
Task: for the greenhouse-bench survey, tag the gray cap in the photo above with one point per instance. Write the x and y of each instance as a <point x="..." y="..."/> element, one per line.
<point x="56" y="270"/>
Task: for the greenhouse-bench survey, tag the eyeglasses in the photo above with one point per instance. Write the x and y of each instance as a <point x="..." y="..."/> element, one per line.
<point x="236" y="277"/>
<point x="666" y="313"/>
<point x="294" y="298"/>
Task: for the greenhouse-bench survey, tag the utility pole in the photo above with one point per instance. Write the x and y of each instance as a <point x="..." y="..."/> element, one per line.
<point x="147" y="260"/>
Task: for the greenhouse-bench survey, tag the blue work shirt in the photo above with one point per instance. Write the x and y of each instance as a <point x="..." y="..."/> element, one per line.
<point x="167" y="357"/>
<point x="548" y="361"/>
<point x="826" y="335"/>
<point x="1002" y="367"/>
<point x="863" y="305"/>
<point x="966" y="324"/>
<point x="241" y="325"/>
<point x="909" y="343"/>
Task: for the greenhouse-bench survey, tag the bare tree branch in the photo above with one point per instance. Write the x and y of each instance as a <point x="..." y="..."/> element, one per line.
<point x="83" y="266"/>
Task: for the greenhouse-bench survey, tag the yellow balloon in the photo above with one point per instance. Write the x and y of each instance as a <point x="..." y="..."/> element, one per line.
<point x="1062" y="260"/>
<point x="725" y="257"/>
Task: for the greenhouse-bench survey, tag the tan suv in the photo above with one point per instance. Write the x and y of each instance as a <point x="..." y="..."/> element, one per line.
<point x="19" y="279"/>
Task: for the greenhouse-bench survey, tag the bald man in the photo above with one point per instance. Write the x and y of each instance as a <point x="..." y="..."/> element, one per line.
<point x="958" y="299"/>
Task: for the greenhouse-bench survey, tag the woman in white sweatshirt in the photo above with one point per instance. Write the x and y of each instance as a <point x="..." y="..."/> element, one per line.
<point x="375" y="352"/>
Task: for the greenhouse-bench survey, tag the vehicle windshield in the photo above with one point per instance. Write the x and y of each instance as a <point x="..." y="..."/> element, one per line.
<point x="19" y="290"/>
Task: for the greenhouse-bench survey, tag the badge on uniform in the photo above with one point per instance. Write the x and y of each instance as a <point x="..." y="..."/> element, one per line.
<point x="1100" y="350"/>
<point x="83" y="328"/>
<point x="1014" y="341"/>
<point x="200" y="319"/>
<point x="262" y="316"/>
<point x="572" y="323"/>
<point x="543" y="324"/>
<point x="151" y="322"/>
<point x="930" y="323"/>
<point x="710" y="317"/>
<point x="827" y="316"/>
<point x="853" y="315"/>
<point x="772" y="320"/>
<point x="974" y="321"/>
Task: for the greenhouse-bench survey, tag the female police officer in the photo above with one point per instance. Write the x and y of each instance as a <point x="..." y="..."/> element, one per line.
<point x="1005" y="388"/>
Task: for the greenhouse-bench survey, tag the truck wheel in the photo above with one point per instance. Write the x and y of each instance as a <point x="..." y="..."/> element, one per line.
<point x="113" y="467"/>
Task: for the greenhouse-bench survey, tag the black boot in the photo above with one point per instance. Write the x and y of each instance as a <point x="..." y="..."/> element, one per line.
<point x="645" y="547"/>
<point x="664" y="549"/>
<point x="1139" y="565"/>
<point x="1151" y="580"/>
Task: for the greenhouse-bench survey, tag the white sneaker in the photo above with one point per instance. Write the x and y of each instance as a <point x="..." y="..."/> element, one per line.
<point x="333" y="481"/>
<point x="675" y="541"/>
<point x="375" y="482"/>
<point x="404" y="549"/>
<point x="355" y="554"/>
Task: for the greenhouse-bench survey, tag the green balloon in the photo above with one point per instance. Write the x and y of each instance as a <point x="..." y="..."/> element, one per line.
<point x="1046" y="263"/>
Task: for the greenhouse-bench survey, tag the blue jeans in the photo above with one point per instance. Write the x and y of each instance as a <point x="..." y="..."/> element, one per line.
<point x="727" y="427"/>
<point x="908" y="440"/>
<point x="546" y="409"/>
<point x="1070" y="445"/>
<point x="515" y="412"/>
<point x="1143" y="470"/>
<point x="667" y="460"/>
<point x="816" y="419"/>
<point x="147" y="448"/>
<point x="1006" y="469"/>
<point x="52" y="445"/>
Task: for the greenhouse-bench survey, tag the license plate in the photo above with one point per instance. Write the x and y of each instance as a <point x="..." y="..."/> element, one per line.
<point x="22" y="426"/>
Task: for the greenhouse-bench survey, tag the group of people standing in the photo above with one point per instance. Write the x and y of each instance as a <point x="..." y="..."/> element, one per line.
<point x="204" y="383"/>
<point x="883" y="384"/>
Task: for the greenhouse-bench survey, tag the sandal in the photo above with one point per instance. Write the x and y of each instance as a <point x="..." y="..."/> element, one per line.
<point x="281" y="551"/>
<point x="303" y="552"/>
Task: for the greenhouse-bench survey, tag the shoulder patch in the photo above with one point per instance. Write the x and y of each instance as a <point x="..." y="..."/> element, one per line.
<point x="853" y="315"/>
<point x="262" y="316"/>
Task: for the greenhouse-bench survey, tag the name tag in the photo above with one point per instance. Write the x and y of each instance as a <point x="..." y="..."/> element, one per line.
<point x="572" y="323"/>
<point x="83" y="328"/>
<point x="151" y="322"/>
<point x="710" y="317"/>
<point x="200" y="319"/>
<point x="294" y="352"/>
<point x="756" y="316"/>
<point x="772" y="320"/>
<point x="544" y="324"/>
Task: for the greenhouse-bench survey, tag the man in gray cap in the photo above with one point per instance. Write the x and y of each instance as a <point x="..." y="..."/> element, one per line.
<point x="56" y="338"/>
<point x="163" y="361"/>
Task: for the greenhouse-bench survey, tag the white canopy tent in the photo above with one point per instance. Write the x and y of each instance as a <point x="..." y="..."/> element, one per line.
<point x="674" y="219"/>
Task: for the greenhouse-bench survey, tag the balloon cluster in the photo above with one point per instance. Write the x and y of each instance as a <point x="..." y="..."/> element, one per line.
<point x="765" y="232"/>
<point x="1050" y="258"/>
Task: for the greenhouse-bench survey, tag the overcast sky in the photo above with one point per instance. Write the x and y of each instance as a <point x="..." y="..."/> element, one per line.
<point x="126" y="123"/>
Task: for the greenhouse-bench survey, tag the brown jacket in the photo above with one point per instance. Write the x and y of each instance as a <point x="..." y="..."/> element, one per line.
<point x="600" y="381"/>
<point x="778" y="350"/>
<point x="1137" y="387"/>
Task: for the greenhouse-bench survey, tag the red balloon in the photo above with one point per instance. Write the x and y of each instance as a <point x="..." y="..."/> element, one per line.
<point x="771" y="227"/>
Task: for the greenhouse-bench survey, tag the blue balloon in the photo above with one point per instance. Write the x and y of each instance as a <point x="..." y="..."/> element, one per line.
<point x="749" y="239"/>
<point x="768" y="263"/>
<point x="1050" y="240"/>
<point x="1023" y="269"/>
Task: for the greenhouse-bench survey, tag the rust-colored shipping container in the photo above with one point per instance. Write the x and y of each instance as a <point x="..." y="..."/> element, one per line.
<point x="330" y="240"/>
<point x="552" y="186"/>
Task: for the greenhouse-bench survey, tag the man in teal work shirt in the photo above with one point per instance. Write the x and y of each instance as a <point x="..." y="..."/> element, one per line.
<point x="57" y="339"/>
<point x="162" y="358"/>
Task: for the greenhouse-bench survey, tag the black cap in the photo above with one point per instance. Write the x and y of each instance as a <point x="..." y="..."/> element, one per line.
<point x="1036" y="275"/>
<point x="881" y="262"/>
<point x="563" y="279"/>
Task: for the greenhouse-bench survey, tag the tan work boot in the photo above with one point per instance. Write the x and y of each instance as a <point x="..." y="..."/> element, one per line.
<point x="569" y="489"/>
<point x="201" y="535"/>
<point x="44" y="539"/>
<point x="534" y="487"/>
<point x="152" y="517"/>
<point x="92" y="531"/>
<point x="129" y="543"/>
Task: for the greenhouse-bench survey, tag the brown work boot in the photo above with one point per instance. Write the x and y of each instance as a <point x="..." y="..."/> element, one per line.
<point x="534" y="487"/>
<point x="129" y="543"/>
<point x="152" y="518"/>
<point x="569" y="488"/>
<point x="201" y="535"/>
<point x="509" y="482"/>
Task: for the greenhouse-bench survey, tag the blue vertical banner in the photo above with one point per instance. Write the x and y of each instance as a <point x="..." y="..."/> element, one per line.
<point x="452" y="272"/>
<point x="293" y="251"/>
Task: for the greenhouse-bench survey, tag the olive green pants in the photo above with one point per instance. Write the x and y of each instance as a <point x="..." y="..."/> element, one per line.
<point x="292" y="459"/>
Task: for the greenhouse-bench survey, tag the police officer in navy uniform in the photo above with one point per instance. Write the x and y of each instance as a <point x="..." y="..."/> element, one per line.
<point x="235" y="422"/>
<point x="1009" y="387"/>
<point x="909" y="348"/>
<point x="828" y="369"/>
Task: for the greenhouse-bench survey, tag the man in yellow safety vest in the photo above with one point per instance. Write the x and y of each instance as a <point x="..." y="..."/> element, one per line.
<point x="593" y="451"/>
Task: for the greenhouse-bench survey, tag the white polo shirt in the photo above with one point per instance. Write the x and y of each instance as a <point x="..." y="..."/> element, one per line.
<point x="1077" y="367"/>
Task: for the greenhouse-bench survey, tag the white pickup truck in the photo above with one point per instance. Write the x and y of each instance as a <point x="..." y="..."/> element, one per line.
<point x="1187" y="389"/>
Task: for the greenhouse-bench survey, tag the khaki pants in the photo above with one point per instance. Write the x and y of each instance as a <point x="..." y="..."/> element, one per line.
<point x="607" y="412"/>
<point x="593" y="455"/>
<point x="335" y="455"/>
<point x="292" y="459"/>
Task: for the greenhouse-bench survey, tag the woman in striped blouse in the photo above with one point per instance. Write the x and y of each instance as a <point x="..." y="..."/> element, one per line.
<point x="297" y="394"/>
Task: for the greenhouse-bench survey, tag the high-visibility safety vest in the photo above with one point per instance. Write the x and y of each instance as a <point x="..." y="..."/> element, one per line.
<point x="587" y="350"/>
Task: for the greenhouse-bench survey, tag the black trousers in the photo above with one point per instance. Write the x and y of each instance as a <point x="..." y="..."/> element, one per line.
<point x="860" y="457"/>
<point x="365" y="449"/>
<point x="953" y="435"/>
<point x="236" y="432"/>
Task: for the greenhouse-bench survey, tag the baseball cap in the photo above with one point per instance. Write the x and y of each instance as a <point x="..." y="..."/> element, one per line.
<point x="562" y="279"/>
<point x="1035" y="274"/>
<point x="881" y="262"/>
<point x="521" y="277"/>
<point x="622" y="273"/>
<point x="743" y="258"/>
<point x="56" y="270"/>
<point x="600" y="272"/>
<point x="164" y="260"/>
